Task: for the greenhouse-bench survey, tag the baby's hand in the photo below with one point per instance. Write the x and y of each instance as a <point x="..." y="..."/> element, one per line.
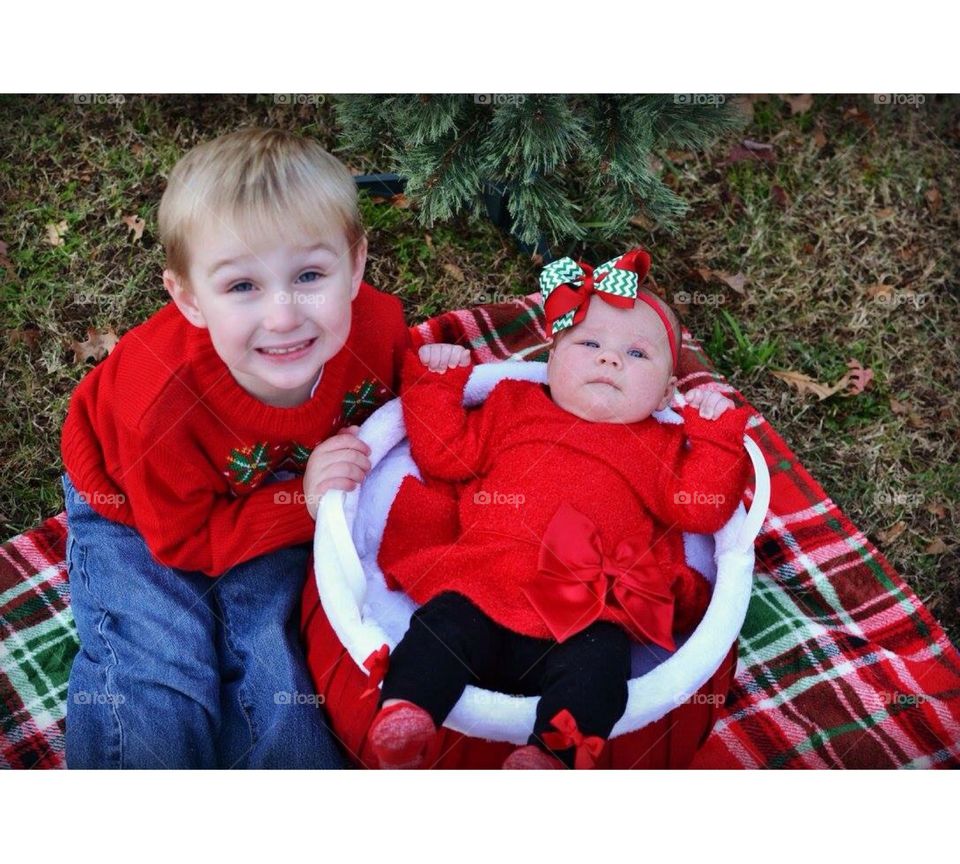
<point x="340" y="462"/>
<point x="710" y="403"/>
<point x="439" y="357"/>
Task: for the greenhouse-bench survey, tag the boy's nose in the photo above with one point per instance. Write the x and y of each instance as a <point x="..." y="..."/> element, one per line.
<point x="284" y="313"/>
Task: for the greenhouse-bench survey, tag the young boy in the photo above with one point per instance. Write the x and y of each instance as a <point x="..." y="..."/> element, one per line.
<point x="195" y="455"/>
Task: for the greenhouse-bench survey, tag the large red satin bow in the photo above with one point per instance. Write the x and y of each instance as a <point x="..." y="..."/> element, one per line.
<point x="376" y="664"/>
<point x="588" y="747"/>
<point x="576" y="294"/>
<point x="576" y="582"/>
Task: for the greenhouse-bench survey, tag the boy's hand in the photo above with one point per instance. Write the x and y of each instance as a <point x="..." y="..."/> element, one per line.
<point x="439" y="357"/>
<point x="340" y="462"/>
<point x="710" y="403"/>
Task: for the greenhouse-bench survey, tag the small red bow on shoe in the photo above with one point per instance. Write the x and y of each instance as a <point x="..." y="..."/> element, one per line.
<point x="575" y="577"/>
<point x="376" y="664"/>
<point x="588" y="747"/>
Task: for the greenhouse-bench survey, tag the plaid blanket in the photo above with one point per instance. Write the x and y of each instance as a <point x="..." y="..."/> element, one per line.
<point x="841" y="665"/>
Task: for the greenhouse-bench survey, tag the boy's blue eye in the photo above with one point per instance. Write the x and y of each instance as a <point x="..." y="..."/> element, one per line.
<point x="636" y="352"/>
<point x="241" y="287"/>
<point x="313" y="273"/>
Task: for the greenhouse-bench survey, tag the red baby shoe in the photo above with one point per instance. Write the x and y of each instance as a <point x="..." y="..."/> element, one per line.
<point x="532" y="757"/>
<point x="399" y="735"/>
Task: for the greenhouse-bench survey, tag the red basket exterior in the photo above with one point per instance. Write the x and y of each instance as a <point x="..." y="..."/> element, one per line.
<point x="670" y="742"/>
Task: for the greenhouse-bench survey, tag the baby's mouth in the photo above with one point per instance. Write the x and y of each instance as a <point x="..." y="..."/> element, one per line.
<point x="604" y="380"/>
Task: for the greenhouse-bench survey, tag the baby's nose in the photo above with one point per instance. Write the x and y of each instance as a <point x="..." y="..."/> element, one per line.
<point x="609" y="358"/>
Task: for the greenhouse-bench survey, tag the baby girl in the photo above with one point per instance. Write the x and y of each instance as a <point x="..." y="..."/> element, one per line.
<point x="553" y="518"/>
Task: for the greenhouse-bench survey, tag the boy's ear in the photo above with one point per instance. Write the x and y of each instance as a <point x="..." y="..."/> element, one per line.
<point x="668" y="393"/>
<point x="359" y="264"/>
<point x="185" y="299"/>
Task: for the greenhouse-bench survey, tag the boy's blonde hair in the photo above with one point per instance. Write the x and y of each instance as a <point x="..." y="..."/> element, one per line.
<point x="256" y="182"/>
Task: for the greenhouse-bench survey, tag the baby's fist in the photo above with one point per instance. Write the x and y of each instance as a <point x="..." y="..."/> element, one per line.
<point x="710" y="403"/>
<point x="438" y="357"/>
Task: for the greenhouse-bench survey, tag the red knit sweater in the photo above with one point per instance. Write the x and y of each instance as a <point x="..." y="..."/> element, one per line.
<point x="516" y="459"/>
<point x="161" y="437"/>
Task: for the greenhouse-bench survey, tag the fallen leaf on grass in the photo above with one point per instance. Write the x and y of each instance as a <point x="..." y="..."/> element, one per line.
<point x="905" y="409"/>
<point x="853" y="381"/>
<point x="734" y="281"/>
<point x="30" y="338"/>
<point x="55" y="233"/>
<point x="780" y="197"/>
<point x="892" y="533"/>
<point x="455" y="272"/>
<point x="752" y="150"/>
<point x="819" y="137"/>
<point x="934" y="199"/>
<point x="937" y="510"/>
<point x="885" y="213"/>
<point x="936" y="547"/>
<point x="135" y="224"/>
<point x="799" y="104"/>
<point x="98" y="345"/>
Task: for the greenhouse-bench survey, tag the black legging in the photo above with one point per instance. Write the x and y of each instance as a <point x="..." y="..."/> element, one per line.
<point x="452" y="643"/>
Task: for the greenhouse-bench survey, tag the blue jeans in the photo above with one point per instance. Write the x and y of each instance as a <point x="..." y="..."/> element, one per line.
<point x="178" y="670"/>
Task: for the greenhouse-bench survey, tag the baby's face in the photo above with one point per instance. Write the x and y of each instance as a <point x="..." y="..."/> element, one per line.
<point x="614" y="366"/>
<point x="277" y="309"/>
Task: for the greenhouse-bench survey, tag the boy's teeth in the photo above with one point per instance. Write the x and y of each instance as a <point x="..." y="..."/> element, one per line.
<point x="285" y="350"/>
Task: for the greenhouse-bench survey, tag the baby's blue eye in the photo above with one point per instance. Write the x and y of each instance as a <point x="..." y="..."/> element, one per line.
<point x="636" y="352"/>
<point x="591" y="343"/>
<point x="241" y="287"/>
<point x="315" y="273"/>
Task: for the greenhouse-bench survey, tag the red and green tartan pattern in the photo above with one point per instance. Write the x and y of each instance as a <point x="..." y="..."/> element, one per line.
<point x="841" y="665"/>
<point x="248" y="467"/>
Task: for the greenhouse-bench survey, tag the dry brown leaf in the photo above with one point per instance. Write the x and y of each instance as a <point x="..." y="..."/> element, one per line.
<point x="735" y="282"/>
<point x="885" y="213"/>
<point x="854" y="381"/>
<point x="680" y="155"/>
<point x="641" y="221"/>
<point x="55" y="233"/>
<point x="135" y="224"/>
<point x="937" y="510"/>
<point x="892" y="533"/>
<point x="455" y="272"/>
<point x="936" y="547"/>
<point x="780" y="197"/>
<point x="934" y="199"/>
<point x="136" y="148"/>
<point x="30" y="338"/>
<point x="750" y="150"/>
<point x="799" y="104"/>
<point x="98" y="345"/>
<point x="819" y="137"/>
<point x="879" y="290"/>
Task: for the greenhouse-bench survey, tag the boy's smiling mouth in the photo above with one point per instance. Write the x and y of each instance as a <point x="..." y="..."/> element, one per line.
<point x="289" y="350"/>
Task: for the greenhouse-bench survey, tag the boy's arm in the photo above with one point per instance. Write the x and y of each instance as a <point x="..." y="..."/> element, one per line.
<point x="446" y="440"/>
<point x="189" y="521"/>
<point x="700" y="470"/>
